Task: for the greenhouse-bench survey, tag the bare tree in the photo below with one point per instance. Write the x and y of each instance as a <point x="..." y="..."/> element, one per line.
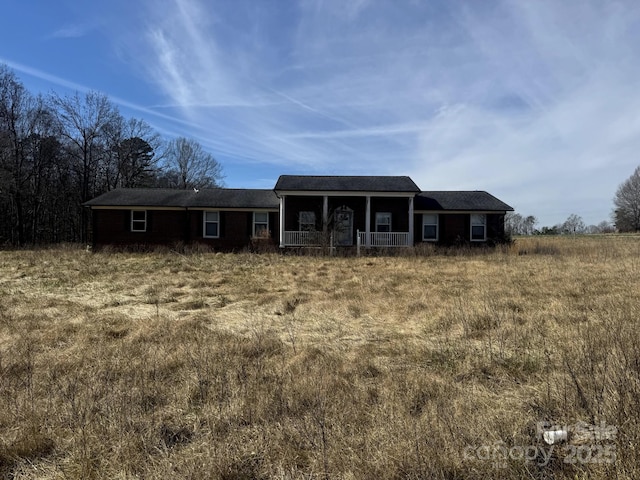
<point x="133" y="155"/>
<point x="13" y="99"/>
<point x="512" y="223"/>
<point x="626" y="215"/>
<point x="83" y="125"/>
<point x="41" y="151"/>
<point x="516" y="224"/>
<point x="529" y="224"/>
<point x="25" y="159"/>
<point x="190" y="166"/>
<point x="574" y="225"/>
<point x="605" y="227"/>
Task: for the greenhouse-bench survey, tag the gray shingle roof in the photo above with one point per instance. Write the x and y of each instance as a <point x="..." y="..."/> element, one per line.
<point x="212" y="198"/>
<point x="459" y="200"/>
<point x="234" y="198"/>
<point x="346" y="183"/>
<point x="258" y="198"/>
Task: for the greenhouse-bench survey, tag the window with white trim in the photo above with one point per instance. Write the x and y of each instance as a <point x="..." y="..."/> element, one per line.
<point x="138" y="220"/>
<point x="383" y="222"/>
<point x="478" y="227"/>
<point x="307" y="221"/>
<point x="430" y="227"/>
<point x="211" y="224"/>
<point x="260" y="224"/>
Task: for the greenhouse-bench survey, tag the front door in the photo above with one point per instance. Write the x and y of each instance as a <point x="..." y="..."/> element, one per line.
<point x="343" y="227"/>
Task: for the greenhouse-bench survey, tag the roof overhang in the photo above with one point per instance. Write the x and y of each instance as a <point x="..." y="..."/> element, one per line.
<point x="212" y="208"/>
<point x="132" y="207"/>
<point x="341" y="193"/>
<point x="461" y="212"/>
<point x="233" y="209"/>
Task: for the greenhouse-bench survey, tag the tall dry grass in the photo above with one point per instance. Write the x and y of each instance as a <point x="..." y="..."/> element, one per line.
<point x="431" y="365"/>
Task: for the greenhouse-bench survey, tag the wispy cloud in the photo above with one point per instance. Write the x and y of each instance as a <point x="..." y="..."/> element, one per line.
<point x="573" y="141"/>
<point x="150" y="113"/>
<point x="72" y="31"/>
<point x="53" y="79"/>
<point x="530" y="100"/>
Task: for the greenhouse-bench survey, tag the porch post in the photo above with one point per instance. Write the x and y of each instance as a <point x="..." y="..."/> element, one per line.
<point x="410" y="222"/>
<point x="325" y="213"/>
<point x="282" y="222"/>
<point x="367" y="223"/>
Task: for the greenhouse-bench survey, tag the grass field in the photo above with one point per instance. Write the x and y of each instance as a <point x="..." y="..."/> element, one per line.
<point x="232" y="366"/>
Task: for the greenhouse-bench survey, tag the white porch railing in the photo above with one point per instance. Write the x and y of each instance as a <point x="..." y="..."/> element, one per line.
<point x="297" y="238"/>
<point x="384" y="239"/>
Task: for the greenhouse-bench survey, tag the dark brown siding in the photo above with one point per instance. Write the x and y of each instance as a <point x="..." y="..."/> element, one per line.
<point x="295" y="204"/>
<point x="171" y="227"/>
<point x="235" y="230"/>
<point x="495" y="227"/>
<point x="113" y="227"/>
<point x="417" y="228"/>
<point x="399" y="209"/>
<point x="455" y="228"/>
<point x="274" y="227"/>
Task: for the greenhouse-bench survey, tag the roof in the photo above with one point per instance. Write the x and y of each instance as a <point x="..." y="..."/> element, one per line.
<point x="258" y="198"/>
<point x="161" y="197"/>
<point x="346" y="183"/>
<point x="459" y="200"/>
<point x="234" y="198"/>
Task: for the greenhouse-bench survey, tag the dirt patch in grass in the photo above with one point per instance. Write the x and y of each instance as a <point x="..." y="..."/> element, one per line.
<point x="259" y="366"/>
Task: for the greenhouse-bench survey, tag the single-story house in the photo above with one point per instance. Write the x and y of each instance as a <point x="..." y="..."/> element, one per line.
<point x="301" y="211"/>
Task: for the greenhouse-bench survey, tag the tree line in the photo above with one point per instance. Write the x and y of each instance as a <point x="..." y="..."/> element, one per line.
<point x="57" y="152"/>
<point x="516" y="224"/>
<point x="625" y="216"/>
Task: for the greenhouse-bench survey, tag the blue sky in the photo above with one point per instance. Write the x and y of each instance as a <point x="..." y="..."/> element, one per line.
<point x="537" y="102"/>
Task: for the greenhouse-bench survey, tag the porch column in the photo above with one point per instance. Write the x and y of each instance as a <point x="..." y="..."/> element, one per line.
<point x="281" y="221"/>
<point x="367" y="223"/>
<point x="325" y="213"/>
<point x="411" y="221"/>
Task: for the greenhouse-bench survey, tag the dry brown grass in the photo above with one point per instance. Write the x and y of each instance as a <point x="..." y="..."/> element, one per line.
<point x="163" y="365"/>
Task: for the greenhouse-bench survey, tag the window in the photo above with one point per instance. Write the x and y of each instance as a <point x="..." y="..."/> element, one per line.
<point x="211" y="226"/>
<point x="260" y="224"/>
<point x="383" y="222"/>
<point x="478" y="228"/>
<point x="307" y="221"/>
<point x="138" y="220"/>
<point x="430" y="227"/>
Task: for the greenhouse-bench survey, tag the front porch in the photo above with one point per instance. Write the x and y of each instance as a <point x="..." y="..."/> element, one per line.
<point x="363" y="221"/>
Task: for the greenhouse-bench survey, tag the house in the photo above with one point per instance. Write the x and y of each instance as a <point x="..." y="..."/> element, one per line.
<point x="301" y="211"/>
<point x="225" y="219"/>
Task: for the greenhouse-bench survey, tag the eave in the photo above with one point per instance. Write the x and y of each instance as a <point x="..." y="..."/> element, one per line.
<point x="462" y="211"/>
<point x="341" y="193"/>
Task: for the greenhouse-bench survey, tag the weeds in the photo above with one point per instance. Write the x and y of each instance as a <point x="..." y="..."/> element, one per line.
<point x="200" y="365"/>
